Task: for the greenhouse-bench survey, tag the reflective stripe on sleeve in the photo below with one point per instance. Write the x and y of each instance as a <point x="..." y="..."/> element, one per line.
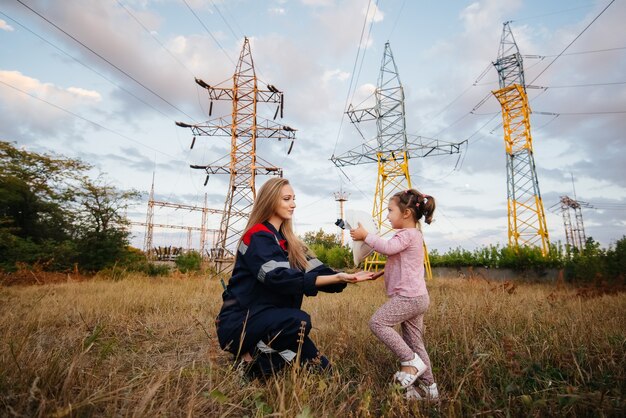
<point x="269" y="266"/>
<point x="313" y="263"/>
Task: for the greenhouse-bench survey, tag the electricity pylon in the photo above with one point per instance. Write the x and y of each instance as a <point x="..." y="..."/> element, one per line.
<point x="245" y="164"/>
<point x="393" y="148"/>
<point x="150" y="225"/>
<point x="526" y="216"/>
<point x="574" y="232"/>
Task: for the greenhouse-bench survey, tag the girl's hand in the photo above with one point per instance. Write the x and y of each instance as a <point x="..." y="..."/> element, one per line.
<point x="362" y="276"/>
<point x="355" y="277"/>
<point x="359" y="233"/>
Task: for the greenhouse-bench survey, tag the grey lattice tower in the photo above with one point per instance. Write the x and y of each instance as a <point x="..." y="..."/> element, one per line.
<point x="244" y="128"/>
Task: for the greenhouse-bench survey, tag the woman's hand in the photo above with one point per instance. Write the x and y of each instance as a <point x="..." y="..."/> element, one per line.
<point x="359" y="233"/>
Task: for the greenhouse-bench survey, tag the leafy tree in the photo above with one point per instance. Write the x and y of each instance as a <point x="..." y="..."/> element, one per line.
<point x="52" y="214"/>
<point x="36" y="192"/>
<point x="616" y="260"/>
<point x="321" y="238"/>
<point x="101" y="225"/>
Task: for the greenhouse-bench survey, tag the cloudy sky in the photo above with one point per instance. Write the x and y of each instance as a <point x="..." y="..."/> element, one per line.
<point x="105" y="80"/>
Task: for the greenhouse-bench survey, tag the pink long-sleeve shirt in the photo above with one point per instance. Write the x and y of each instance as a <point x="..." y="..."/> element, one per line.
<point x="404" y="269"/>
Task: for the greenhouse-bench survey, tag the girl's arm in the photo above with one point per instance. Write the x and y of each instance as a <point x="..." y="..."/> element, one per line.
<point x="399" y="242"/>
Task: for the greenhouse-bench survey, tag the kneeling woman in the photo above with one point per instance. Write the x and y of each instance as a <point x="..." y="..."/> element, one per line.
<point x="261" y="322"/>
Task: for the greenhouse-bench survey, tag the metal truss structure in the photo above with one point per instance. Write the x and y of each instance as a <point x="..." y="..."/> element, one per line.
<point x="148" y="246"/>
<point x="244" y="129"/>
<point x="574" y="232"/>
<point x="393" y="147"/>
<point x="526" y="216"/>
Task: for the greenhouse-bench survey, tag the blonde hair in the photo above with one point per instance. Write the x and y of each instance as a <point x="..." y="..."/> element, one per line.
<point x="265" y="204"/>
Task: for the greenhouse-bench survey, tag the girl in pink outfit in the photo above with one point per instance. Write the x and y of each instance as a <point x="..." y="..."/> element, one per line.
<point x="406" y="289"/>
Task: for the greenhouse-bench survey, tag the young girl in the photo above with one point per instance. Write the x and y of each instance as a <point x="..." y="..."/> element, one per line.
<point x="260" y="321"/>
<point x="406" y="289"/>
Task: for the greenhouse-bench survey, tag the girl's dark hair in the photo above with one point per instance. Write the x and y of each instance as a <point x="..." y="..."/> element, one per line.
<point x="419" y="204"/>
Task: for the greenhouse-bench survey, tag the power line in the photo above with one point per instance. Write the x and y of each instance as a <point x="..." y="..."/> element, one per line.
<point x="610" y="112"/>
<point x="393" y="28"/>
<point x="553" y="13"/>
<point x="224" y="19"/>
<point x="154" y="37"/>
<point x="574" y="40"/>
<point x="583" y="85"/>
<point x="104" y="59"/>
<point x="369" y="32"/>
<point x="85" y="65"/>
<point x="552" y="62"/>
<point x="209" y="32"/>
<point x="233" y="18"/>
<point x="356" y="61"/>
<point x="593" y="51"/>
<point x="86" y="120"/>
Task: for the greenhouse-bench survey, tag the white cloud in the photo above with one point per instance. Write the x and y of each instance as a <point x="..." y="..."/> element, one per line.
<point x="89" y="94"/>
<point x="5" y="26"/>
<point x="317" y="3"/>
<point x="335" y="74"/>
<point x="374" y="14"/>
<point x="45" y="115"/>
<point x="278" y="11"/>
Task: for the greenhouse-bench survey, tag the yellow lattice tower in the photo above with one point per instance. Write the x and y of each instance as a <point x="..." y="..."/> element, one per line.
<point x="526" y="216"/>
<point x="392" y="150"/>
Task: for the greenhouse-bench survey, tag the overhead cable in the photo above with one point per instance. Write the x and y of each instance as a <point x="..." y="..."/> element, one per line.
<point x="104" y="59"/>
<point x="571" y="43"/>
<point x="86" y="120"/>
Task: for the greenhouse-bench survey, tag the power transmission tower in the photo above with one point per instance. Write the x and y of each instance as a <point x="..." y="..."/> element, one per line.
<point x="341" y="197"/>
<point x="147" y="243"/>
<point x="526" y="216"/>
<point x="574" y="232"/>
<point x="150" y="225"/>
<point x="393" y="147"/>
<point x="244" y="130"/>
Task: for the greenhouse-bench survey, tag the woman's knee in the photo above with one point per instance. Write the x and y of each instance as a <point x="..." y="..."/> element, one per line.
<point x="300" y="320"/>
<point x="306" y="318"/>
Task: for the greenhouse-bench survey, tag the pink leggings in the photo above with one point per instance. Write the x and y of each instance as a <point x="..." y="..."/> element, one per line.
<point x="409" y="313"/>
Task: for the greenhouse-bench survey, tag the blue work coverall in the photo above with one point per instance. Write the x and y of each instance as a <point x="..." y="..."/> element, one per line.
<point x="261" y="311"/>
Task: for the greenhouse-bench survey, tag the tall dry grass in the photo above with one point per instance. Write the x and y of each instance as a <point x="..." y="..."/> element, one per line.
<point x="147" y="347"/>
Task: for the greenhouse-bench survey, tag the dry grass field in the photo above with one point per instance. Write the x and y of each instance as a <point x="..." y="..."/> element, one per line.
<point x="147" y="347"/>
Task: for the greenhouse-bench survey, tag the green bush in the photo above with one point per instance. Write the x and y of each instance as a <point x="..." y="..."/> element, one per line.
<point x="340" y="257"/>
<point x="337" y="257"/>
<point x="596" y="265"/>
<point x="189" y="261"/>
<point x="154" y="270"/>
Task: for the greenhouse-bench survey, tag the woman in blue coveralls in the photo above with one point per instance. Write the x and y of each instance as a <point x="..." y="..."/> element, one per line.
<point x="261" y="322"/>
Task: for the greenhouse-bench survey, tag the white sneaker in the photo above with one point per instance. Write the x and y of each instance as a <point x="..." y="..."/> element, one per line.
<point x="412" y="394"/>
<point x="430" y="392"/>
<point x="407" y="379"/>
